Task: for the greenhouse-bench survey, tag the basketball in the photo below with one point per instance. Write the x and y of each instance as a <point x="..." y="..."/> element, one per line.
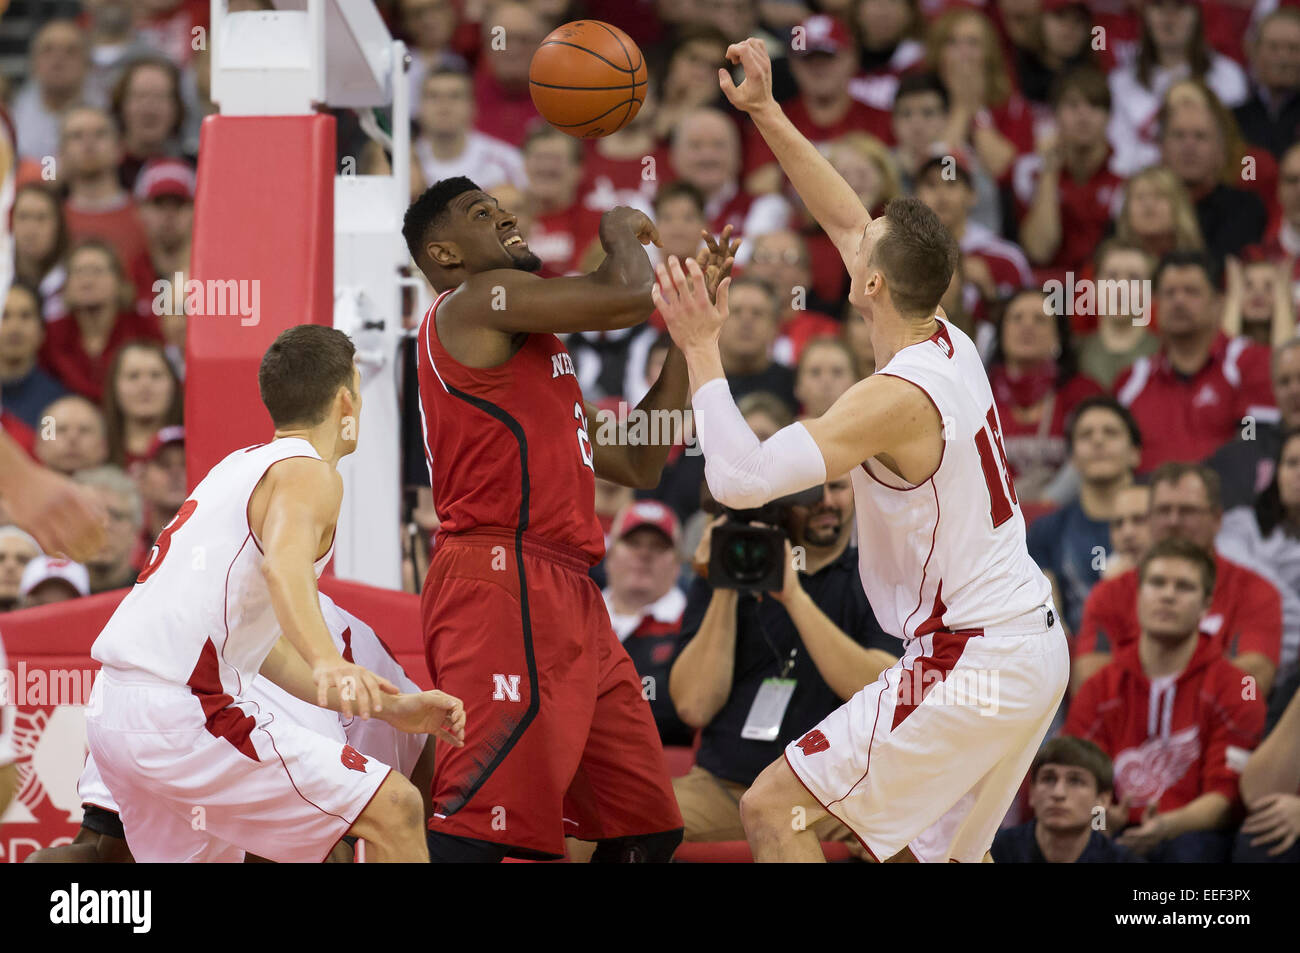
<point x="588" y="79"/>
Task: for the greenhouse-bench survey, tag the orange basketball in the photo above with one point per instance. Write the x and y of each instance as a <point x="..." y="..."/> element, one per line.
<point x="587" y="79"/>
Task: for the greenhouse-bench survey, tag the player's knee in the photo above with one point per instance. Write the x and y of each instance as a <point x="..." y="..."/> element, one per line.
<point x="758" y="807"/>
<point x="396" y="809"/>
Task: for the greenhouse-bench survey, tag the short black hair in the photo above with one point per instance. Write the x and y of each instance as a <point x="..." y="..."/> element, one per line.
<point x="301" y="372"/>
<point x="429" y="209"/>
<point x="1190" y="258"/>
<point x="913" y="84"/>
<point x="1102" y="402"/>
<point x="681" y="189"/>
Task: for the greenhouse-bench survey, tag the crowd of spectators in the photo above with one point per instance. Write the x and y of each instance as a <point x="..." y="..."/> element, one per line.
<point x="1122" y="178"/>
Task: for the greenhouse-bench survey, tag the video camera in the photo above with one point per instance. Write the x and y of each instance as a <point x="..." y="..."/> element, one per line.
<point x="748" y="549"/>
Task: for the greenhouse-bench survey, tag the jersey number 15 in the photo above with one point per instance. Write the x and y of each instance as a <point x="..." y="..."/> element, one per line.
<point x="995" y="477"/>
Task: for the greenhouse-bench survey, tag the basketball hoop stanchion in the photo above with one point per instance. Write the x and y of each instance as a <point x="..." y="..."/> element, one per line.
<point x="283" y="66"/>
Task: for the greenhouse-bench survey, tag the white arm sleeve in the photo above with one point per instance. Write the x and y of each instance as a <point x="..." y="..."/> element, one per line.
<point x="742" y="472"/>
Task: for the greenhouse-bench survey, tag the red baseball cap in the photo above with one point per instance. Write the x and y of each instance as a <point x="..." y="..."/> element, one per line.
<point x="821" y="34"/>
<point x="165" y="178"/>
<point x="646" y="513"/>
<point x="163" y="438"/>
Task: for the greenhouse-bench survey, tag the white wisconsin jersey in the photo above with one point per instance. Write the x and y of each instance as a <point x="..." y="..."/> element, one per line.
<point x="200" y="612"/>
<point x="948" y="554"/>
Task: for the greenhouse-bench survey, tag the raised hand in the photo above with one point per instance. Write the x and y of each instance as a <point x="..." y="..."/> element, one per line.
<point x="755" y="91"/>
<point x="716" y="258"/>
<point x="624" y="216"/>
<point x="683" y="300"/>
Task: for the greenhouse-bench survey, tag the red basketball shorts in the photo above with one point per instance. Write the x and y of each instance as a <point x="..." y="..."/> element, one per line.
<point x="559" y="740"/>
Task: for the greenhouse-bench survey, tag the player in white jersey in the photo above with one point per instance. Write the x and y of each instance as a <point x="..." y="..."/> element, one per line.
<point x="923" y="763"/>
<point x="229" y="590"/>
<point x="101" y="839"/>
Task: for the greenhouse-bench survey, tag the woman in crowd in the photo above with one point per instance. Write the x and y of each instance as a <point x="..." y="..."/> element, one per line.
<point x="888" y="45"/>
<point x="1036" y="385"/>
<point x="1157" y="214"/>
<point x="40" y="241"/>
<point x="79" y="347"/>
<point x="826" y="370"/>
<point x="1258" y="302"/>
<point x="143" y="395"/>
<point x="1266" y="537"/>
<point x="150" y="111"/>
<point x="1173" y="47"/>
<point x="1123" y="313"/>
<point x="986" y="114"/>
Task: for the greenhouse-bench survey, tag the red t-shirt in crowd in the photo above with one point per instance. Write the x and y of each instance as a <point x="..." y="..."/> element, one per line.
<point x="1245" y="614"/>
<point x="609" y="182"/>
<point x="63" y="355"/>
<point x="175" y="33"/>
<point x="560" y="238"/>
<point x="798" y="331"/>
<point x="859" y="118"/>
<point x="1187" y="418"/>
<point x="499" y="112"/>
<point x="1086" y="208"/>
<point x="1173" y="740"/>
<point x="121" y="228"/>
<point x="1035" y="446"/>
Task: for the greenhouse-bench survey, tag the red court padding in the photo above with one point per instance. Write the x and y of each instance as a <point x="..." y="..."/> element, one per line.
<point x="264" y="213"/>
<point x="49" y="653"/>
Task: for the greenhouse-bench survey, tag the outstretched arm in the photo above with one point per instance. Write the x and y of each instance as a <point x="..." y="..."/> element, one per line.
<point x="62" y="516"/>
<point x="641" y="465"/>
<point x="876" y="415"/>
<point x="615" y="295"/>
<point x="829" y="199"/>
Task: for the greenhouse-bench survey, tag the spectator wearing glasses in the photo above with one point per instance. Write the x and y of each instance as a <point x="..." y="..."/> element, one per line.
<point x="1243" y="622"/>
<point x="118" y="561"/>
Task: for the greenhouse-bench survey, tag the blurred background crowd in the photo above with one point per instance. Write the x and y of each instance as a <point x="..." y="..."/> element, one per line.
<point x="1070" y="146"/>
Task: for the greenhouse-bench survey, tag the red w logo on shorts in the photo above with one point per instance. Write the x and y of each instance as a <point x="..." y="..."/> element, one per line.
<point x="352" y="758"/>
<point x="813" y="742"/>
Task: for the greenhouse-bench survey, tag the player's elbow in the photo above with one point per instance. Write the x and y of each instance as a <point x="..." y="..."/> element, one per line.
<point x="733" y="487"/>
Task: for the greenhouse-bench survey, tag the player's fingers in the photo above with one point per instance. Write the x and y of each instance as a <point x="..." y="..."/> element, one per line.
<point x="322" y="692"/>
<point x="734" y="51"/>
<point x="387" y="687"/>
<point x="1267" y="837"/>
<point x="728" y="87"/>
<point x="683" y="284"/>
<point x="1285" y="845"/>
<point x="721" y="295"/>
<point x="698" y="285"/>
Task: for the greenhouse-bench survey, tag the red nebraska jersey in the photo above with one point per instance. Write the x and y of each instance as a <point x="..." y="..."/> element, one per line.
<point x="1172" y="740"/>
<point x="1190" y="417"/>
<point x="507" y="446"/>
<point x="1245" y="614"/>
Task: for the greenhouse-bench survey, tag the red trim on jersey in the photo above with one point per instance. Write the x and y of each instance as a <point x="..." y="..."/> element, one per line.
<point x="347" y="643"/>
<point x="947" y="651"/>
<point x="920" y="590"/>
<point x="249" y="523"/>
<point x="225" y="609"/>
<point x="785" y="754"/>
<point x="222" y="718"/>
<point x="935" y="622"/>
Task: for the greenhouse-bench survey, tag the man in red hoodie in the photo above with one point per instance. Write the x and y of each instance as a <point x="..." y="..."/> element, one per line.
<point x="1244" y="621"/>
<point x="1177" y="719"/>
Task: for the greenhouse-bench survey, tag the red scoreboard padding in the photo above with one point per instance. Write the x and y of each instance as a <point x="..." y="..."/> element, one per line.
<point x="263" y="233"/>
<point x="50" y="676"/>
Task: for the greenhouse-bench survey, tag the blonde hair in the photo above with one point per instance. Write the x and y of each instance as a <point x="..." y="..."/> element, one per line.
<point x="997" y="84"/>
<point x="1195" y="92"/>
<point x="1187" y="231"/>
<point x="877" y="153"/>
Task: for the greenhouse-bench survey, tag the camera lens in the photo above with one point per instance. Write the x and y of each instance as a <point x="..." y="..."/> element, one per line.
<point x="747" y="559"/>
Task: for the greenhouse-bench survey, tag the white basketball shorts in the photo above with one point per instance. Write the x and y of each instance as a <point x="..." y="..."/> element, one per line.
<point x="930" y="755"/>
<point x="196" y="786"/>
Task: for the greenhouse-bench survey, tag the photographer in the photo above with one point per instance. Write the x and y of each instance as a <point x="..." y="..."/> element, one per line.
<point x="757" y="670"/>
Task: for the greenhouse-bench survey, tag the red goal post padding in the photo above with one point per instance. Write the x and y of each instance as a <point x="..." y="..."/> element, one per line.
<point x="264" y="213"/>
<point x="51" y="674"/>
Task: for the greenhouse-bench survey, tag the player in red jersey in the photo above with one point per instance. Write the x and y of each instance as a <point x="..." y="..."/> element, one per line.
<point x="561" y="740"/>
